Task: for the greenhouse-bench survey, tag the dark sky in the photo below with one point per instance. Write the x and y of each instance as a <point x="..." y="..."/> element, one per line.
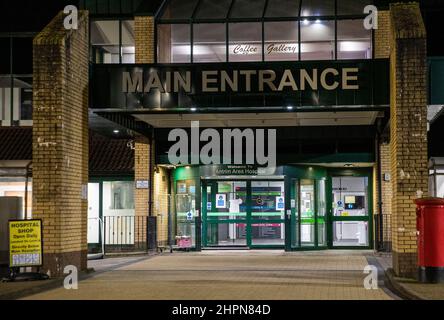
<point x="33" y="15"/>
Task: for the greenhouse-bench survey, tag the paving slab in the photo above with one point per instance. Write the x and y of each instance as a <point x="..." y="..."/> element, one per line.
<point x="244" y="275"/>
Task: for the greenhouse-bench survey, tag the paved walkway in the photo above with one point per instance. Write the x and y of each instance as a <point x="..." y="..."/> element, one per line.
<point x="234" y="275"/>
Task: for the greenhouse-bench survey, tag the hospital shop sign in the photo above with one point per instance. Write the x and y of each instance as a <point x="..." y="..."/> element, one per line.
<point x="240" y="85"/>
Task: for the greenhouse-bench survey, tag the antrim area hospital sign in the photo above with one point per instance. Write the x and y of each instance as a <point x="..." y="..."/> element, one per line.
<point x="241" y="85"/>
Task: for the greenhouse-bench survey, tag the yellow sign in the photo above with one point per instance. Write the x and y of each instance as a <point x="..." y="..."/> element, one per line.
<point x="25" y="243"/>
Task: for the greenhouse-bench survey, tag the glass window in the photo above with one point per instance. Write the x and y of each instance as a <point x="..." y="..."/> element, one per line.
<point x="24" y="85"/>
<point x="440" y="186"/>
<point x="350" y="233"/>
<point x="282" y="8"/>
<point x="105" y="42"/>
<point x="317" y="40"/>
<point x="185" y="212"/>
<point x="267" y="199"/>
<point x="22" y="56"/>
<point x="247" y="9"/>
<point x="245" y="41"/>
<point x="354" y="7"/>
<point x="128" y="42"/>
<point x="5" y="56"/>
<point x="174" y="43"/>
<point x="5" y="98"/>
<point x="317" y="8"/>
<point x="226" y="234"/>
<point x="118" y="198"/>
<point x="354" y="41"/>
<point x="213" y="9"/>
<point x="281" y="41"/>
<point x="307" y="216"/>
<point x="179" y="9"/>
<point x="209" y="42"/>
<point x="350" y="196"/>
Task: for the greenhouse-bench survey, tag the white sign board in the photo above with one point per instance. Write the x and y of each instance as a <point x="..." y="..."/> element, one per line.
<point x="221" y="201"/>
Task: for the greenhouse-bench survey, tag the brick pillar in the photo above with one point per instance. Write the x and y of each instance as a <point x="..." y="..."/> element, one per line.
<point x="145" y="49"/>
<point x="382" y="35"/>
<point x="60" y="142"/>
<point x="386" y="195"/>
<point x="408" y="126"/>
<point x="144" y="38"/>
<point x="142" y="156"/>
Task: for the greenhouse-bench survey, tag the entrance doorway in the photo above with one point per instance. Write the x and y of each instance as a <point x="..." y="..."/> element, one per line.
<point x="243" y="213"/>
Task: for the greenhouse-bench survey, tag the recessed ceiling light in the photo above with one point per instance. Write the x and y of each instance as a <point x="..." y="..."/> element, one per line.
<point x="306" y="22"/>
<point x="116" y="131"/>
<point x="193" y="109"/>
<point x="289" y="107"/>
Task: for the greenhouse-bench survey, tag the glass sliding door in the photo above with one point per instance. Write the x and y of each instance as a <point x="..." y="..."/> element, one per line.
<point x="225" y="213"/>
<point x="267" y="213"/>
<point x="321" y="214"/>
<point x="307" y="212"/>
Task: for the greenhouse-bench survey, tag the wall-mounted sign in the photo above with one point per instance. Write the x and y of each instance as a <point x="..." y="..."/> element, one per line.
<point x="25" y="243"/>
<point x="280" y="203"/>
<point x="249" y="84"/>
<point x="221" y="201"/>
<point x="142" y="184"/>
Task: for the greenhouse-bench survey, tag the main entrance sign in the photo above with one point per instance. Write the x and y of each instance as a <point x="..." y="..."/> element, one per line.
<point x="179" y="87"/>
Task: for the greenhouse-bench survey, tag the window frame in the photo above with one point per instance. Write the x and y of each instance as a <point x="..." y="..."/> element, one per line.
<point x="263" y="19"/>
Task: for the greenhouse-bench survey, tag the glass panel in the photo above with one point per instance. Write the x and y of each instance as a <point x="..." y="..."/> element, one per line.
<point x="16" y="187"/>
<point x="440" y="186"/>
<point x="268" y="234"/>
<point x="4" y="56"/>
<point x="350" y="233"/>
<point x="213" y="9"/>
<point x="245" y="41"/>
<point x="229" y="201"/>
<point x="282" y="8"/>
<point x="267" y="200"/>
<point x="322" y="210"/>
<point x="128" y="42"/>
<point x="174" y="43"/>
<point x="179" y="9"/>
<point x="281" y="41"/>
<point x="295" y="214"/>
<point x="5" y="98"/>
<point x="105" y="41"/>
<point x="352" y="7"/>
<point x="118" y="198"/>
<point x="350" y="196"/>
<point x="317" y="40"/>
<point x="354" y="41"/>
<point x="307" y="213"/>
<point x="185" y="213"/>
<point x="317" y="8"/>
<point x="22" y="56"/>
<point x="209" y="42"/>
<point x="23" y="86"/>
<point x="247" y="9"/>
<point x="226" y="234"/>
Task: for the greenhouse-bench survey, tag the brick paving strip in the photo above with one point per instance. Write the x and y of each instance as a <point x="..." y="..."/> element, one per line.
<point x="229" y="275"/>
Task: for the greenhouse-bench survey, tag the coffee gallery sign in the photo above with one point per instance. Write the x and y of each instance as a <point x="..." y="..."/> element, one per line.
<point x="261" y="84"/>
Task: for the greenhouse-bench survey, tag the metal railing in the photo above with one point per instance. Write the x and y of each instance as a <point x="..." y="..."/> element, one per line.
<point x="125" y="233"/>
<point x="383" y="233"/>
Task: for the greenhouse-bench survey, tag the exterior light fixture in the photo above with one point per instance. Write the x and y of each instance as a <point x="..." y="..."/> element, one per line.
<point x="116" y="131"/>
<point x="193" y="109"/>
<point x="306" y="22"/>
<point x="318" y="21"/>
<point x="290" y="108"/>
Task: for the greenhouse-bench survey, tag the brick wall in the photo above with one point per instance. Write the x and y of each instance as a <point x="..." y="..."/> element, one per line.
<point x="144" y="38"/>
<point x="408" y="126"/>
<point x="60" y="142"/>
<point x="382" y="35"/>
<point x="386" y="194"/>
<point x="161" y="204"/>
<point x="142" y="156"/>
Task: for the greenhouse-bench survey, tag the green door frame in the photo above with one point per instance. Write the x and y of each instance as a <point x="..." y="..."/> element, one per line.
<point x="249" y="220"/>
<point x="357" y="172"/>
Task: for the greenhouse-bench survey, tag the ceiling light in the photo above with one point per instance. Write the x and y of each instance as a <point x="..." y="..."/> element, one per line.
<point x="306" y="22"/>
<point x="290" y="108"/>
<point x="116" y="131"/>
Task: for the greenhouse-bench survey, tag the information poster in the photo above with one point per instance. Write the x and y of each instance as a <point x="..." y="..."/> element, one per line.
<point x="25" y="243"/>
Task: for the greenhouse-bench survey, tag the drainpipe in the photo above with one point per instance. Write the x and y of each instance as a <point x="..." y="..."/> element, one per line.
<point x="380" y="244"/>
<point x="152" y="164"/>
<point x="26" y="189"/>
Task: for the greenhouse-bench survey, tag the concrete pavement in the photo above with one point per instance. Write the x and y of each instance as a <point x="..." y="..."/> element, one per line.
<point x="234" y="275"/>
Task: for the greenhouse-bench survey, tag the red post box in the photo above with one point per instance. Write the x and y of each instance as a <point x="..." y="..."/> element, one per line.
<point x="430" y="226"/>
